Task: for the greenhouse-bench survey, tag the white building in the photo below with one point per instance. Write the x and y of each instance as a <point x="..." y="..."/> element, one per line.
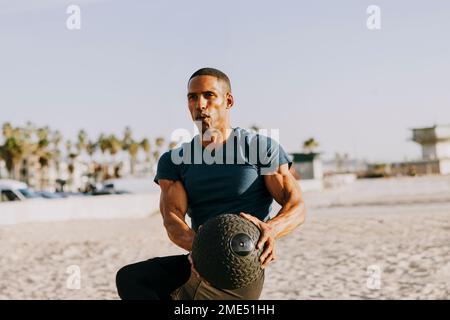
<point x="309" y="168"/>
<point x="435" y="143"/>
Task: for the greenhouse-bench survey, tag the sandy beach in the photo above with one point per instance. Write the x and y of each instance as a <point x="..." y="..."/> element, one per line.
<point x="403" y="233"/>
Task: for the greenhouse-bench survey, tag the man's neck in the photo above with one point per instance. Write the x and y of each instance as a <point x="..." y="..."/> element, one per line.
<point x="216" y="137"/>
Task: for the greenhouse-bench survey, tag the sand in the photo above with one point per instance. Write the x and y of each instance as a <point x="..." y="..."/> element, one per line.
<point x="402" y="236"/>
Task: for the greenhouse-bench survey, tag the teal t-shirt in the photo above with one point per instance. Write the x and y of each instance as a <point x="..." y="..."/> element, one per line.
<point x="229" y="179"/>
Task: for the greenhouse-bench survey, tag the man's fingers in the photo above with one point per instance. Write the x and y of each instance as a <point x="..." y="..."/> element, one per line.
<point x="265" y="241"/>
<point x="263" y="238"/>
<point x="269" y="259"/>
<point x="267" y="250"/>
<point x="249" y="217"/>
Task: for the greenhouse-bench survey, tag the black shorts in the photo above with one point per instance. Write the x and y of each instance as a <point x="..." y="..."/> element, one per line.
<point x="169" y="278"/>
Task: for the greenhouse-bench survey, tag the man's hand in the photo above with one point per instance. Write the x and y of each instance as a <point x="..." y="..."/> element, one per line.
<point x="266" y="239"/>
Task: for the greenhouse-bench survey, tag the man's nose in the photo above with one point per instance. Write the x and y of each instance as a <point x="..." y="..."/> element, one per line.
<point x="202" y="103"/>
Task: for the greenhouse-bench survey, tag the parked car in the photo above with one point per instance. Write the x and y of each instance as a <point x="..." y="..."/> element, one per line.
<point x="106" y="190"/>
<point x="132" y="185"/>
<point x="49" y="195"/>
<point x="12" y="190"/>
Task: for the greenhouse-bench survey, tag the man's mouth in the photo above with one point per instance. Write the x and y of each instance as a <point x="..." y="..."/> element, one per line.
<point x="202" y="117"/>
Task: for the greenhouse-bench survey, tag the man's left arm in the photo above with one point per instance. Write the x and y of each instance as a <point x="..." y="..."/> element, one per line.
<point x="286" y="191"/>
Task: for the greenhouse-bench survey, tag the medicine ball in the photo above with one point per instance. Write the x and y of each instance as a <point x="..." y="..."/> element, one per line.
<point x="224" y="252"/>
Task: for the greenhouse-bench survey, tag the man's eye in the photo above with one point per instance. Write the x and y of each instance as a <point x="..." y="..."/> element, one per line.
<point x="208" y="94"/>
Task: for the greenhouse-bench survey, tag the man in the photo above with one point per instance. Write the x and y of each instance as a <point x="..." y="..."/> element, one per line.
<point x="248" y="171"/>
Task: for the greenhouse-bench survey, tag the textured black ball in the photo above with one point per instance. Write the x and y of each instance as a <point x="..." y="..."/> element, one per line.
<point x="224" y="252"/>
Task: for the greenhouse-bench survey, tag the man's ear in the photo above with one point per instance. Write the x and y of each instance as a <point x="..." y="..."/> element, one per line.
<point x="230" y="100"/>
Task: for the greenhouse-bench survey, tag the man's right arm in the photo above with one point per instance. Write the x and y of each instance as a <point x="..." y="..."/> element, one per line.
<point x="173" y="205"/>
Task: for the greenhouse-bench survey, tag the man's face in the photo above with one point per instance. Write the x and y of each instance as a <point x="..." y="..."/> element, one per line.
<point x="209" y="101"/>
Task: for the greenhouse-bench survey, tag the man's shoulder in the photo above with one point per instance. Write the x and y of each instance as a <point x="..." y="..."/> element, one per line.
<point x="170" y="156"/>
<point x="264" y="138"/>
<point x="175" y="155"/>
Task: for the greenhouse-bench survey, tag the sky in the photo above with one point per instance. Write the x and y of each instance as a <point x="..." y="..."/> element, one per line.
<point x="307" y="68"/>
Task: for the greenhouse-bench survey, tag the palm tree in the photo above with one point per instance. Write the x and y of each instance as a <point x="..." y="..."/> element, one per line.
<point x="69" y="147"/>
<point x="254" y="128"/>
<point x="81" y="144"/>
<point x="145" y="145"/>
<point x="22" y="148"/>
<point x="133" y="150"/>
<point x="173" y="145"/>
<point x="7" y="130"/>
<point x="72" y="155"/>
<point x="82" y="141"/>
<point x="13" y="150"/>
<point x="91" y="148"/>
<point x="127" y="138"/>
<point x="310" y="145"/>
<point x="159" y="142"/>
<point x="36" y="156"/>
<point x="32" y="149"/>
<point x="156" y="154"/>
<point x="43" y="154"/>
<point x="103" y="143"/>
<point x="128" y="144"/>
<point x="5" y="154"/>
<point x="114" y="146"/>
<point x="56" y="139"/>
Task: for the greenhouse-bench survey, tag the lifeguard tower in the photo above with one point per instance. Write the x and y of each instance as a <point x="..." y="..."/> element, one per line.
<point x="435" y="143"/>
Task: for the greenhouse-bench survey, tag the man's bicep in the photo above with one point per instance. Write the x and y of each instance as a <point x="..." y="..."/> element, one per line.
<point x="282" y="185"/>
<point x="173" y="197"/>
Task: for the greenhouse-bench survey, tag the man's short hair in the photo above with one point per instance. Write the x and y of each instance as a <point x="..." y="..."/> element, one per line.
<point x="212" y="72"/>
